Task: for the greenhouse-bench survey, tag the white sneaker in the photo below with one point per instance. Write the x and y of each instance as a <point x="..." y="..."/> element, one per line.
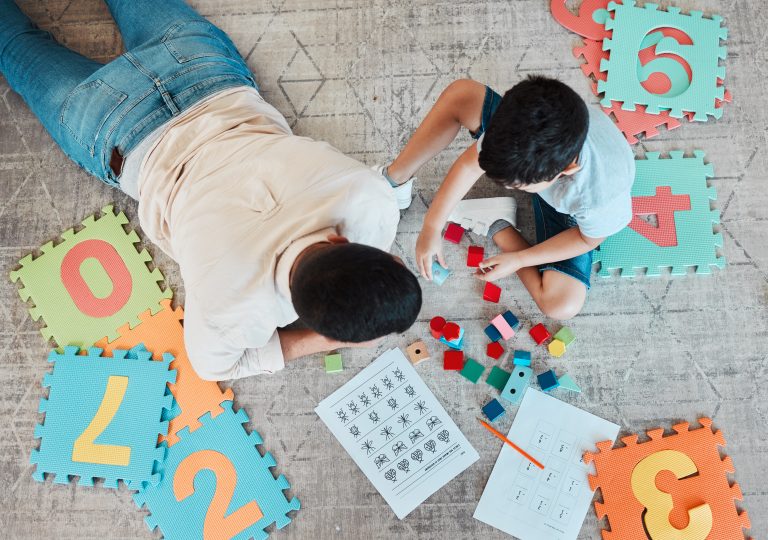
<point x="477" y="215"/>
<point x="403" y="192"/>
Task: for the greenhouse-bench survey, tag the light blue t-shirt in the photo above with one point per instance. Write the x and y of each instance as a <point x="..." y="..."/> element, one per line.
<point x="598" y="196"/>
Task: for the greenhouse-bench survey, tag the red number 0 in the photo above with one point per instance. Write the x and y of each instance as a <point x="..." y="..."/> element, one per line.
<point x="78" y="289"/>
<point x="217" y="526"/>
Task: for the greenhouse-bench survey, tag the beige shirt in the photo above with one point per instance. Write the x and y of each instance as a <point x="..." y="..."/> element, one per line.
<point x="233" y="196"/>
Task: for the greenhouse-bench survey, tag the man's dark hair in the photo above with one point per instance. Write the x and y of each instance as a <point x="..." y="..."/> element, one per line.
<point x="355" y="293"/>
<point x="537" y="130"/>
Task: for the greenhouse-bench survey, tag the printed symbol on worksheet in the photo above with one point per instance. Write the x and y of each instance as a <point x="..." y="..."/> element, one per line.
<point x="342" y="415"/>
<point x="387" y="383"/>
<point x="415" y="435"/>
<point x="364" y="399"/>
<point x="353" y="408"/>
<point x="529" y="469"/>
<point x="374" y="417"/>
<point x="433" y="422"/>
<point x="540" y="504"/>
<point x="543" y="437"/>
<point x="409" y="391"/>
<point x="562" y="514"/>
<point x="404" y="466"/>
<point x="380" y="460"/>
<point x="564" y="445"/>
<point x="404" y="420"/>
<point x="430" y="446"/>
<point x="375" y="391"/>
<point x="421" y="407"/>
<point x="368" y="447"/>
<point x="387" y="432"/>
<point x="354" y="431"/>
<point x="398" y="375"/>
<point x="392" y="402"/>
<point x="417" y="455"/>
<point x="444" y="436"/>
<point x="398" y="448"/>
<point x="572" y="486"/>
<point x="391" y="474"/>
<point x="519" y="494"/>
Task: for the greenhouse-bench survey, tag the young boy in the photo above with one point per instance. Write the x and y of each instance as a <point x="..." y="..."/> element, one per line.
<point x="540" y="138"/>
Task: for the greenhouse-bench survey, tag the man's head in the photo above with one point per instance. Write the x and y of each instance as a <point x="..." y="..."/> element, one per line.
<point x="535" y="135"/>
<point x="354" y="293"/>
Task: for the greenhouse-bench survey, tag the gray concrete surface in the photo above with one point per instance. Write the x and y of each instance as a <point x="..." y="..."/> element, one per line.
<point x="361" y="74"/>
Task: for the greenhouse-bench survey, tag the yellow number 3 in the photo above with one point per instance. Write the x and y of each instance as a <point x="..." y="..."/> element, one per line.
<point x="659" y="504"/>
<point x="85" y="449"/>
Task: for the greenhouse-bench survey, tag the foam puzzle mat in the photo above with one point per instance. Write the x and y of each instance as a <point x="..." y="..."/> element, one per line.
<point x="103" y="416"/>
<point x="91" y="283"/>
<point x="217" y="485"/>
<point x="675" y="189"/>
<point x="163" y="332"/>
<point x="673" y="487"/>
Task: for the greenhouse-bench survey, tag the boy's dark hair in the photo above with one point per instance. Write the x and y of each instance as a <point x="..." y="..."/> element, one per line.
<point x="537" y="130"/>
<point x="355" y="293"/>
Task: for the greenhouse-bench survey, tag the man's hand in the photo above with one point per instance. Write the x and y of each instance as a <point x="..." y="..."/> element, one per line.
<point x="429" y="245"/>
<point x="501" y="265"/>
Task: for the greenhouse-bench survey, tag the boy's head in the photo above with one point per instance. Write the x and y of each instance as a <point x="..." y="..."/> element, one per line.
<point x="535" y="134"/>
<point x="354" y="293"/>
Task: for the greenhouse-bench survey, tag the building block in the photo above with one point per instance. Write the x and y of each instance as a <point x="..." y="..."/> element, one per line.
<point x="494" y="350"/>
<point x="556" y="348"/>
<point x="630" y="472"/>
<point x="503" y="327"/>
<point x="220" y="453"/>
<point x="491" y="292"/>
<point x="333" y="363"/>
<point x="451" y="331"/>
<point x="565" y="335"/>
<point x="521" y="358"/>
<point x="517" y="384"/>
<point x="453" y="233"/>
<point x="91" y="283"/>
<point x="472" y="370"/>
<point x="439" y="274"/>
<point x="567" y="383"/>
<point x="436" y="326"/>
<point x="539" y="333"/>
<point x="497" y="378"/>
<point x="512" y="321"/>
<point x="453" y="360"/>
<point x="103" y="416"/>
<point x="493" y="410"/>
<point x="161" y="333"/>
<point x="417" y="352"/>
<point x="457" y="343"/>
<point x="548" y="380"/>
<point x="688" y="239"/>
<point x="630" y="25"/>
<point x="475" y="256"/>
<point x="492" y="332"/>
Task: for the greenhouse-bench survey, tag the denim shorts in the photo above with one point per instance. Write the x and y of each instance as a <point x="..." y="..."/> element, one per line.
<point x="549" y="222"/>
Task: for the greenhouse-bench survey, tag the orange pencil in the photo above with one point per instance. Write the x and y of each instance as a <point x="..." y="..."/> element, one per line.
<point x="525" y="454"/>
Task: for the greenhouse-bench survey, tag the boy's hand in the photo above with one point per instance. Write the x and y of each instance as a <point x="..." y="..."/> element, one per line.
<point x="429" y="245"/>
<point x="501" y="265"/>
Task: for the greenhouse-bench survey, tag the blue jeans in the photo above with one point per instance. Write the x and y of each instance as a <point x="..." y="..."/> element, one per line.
<point x="549" y="222"/>
<point x="94" y="112"/>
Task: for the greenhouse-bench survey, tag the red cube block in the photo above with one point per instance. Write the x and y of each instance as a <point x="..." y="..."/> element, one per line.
<point x="454" y="233"/>
<point x="491" y="293"/>
<point x="453" y="360"/>
<point x="451" y="331"/>
<point x="494" y="350"/>
<point x="539" y="334"/>
<point x="475" y="256"/>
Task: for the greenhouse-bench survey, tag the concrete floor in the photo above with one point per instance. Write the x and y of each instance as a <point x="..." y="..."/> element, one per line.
<point x="361" y="74"/>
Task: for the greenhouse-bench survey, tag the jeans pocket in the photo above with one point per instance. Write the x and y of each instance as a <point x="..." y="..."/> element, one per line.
<point x="195" y="39"/>
<point x="86" y="110"/>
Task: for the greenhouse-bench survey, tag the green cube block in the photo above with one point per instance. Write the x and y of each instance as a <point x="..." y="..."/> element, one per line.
<point x="333" y="363"/>
<point x="498" y="378"/>
<point x="472" y="371"/>
<point x="565" y="335"/>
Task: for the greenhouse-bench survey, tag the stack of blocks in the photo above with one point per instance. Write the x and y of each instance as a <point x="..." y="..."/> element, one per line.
<point x="105" y="414"/>
<point x="502" y="326"/>
<point x="560" y="342"/>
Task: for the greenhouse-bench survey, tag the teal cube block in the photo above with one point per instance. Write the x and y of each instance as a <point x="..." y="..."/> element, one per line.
<point x="472" y="370"/>
<point x="439" y="274"/>
<point x="493" y="410"/>
<point x="521" y="358"/>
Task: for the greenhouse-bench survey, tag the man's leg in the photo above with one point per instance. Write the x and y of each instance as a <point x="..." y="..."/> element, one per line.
<point x="42" y="71"/>
<point x="141" y="21"/>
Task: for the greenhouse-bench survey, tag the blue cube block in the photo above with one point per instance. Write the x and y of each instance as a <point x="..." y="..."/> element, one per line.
<point x="521" y="358"/>
<point x="511" y="319"/>
<point x="548" y="380"/>
<point x="439" y="274"/>
<point x="517" y="384"/>
<point x="493" y="410"/>
<point x="492" y="332"/>
<point x="457" y="344"/>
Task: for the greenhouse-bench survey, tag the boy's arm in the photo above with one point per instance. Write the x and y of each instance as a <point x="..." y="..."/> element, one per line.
<point x="460" y="178"/>
<point x="566" y="245"/>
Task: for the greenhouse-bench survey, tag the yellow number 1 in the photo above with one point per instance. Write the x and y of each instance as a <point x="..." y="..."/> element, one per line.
<point x="85" y="450"/>
<point x="659" y="504"/>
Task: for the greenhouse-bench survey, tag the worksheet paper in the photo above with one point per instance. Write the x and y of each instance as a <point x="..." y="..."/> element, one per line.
<point x="397" y="432"/>
<point x="551" y="504"/>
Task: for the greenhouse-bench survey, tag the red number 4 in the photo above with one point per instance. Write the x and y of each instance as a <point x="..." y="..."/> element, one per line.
<point x="663" y="205"/>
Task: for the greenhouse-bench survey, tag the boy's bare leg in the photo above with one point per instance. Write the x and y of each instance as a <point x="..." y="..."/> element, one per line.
<point x="460" y="104"/>
<point x="558" y="295"/>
